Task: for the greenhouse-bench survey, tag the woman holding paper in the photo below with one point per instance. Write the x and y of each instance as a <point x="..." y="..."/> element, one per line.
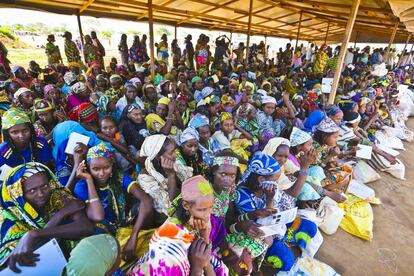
<point x="36" y="208"/>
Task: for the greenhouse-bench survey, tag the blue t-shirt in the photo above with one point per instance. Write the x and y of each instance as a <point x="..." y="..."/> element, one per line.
<point x="81" y="192"/>
<point x="8" y="157"/>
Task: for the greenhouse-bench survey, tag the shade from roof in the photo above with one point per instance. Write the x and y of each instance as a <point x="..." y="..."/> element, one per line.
<point x="374" y="21"/>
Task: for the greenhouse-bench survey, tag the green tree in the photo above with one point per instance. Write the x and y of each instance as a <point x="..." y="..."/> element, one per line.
<point x="133" y="32"/>
<point x="107" y="35"/>
<point x="162" y="30"/>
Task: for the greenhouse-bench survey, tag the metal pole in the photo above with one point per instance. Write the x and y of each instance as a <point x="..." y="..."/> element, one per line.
<point x="249" y="25"/>
<point x="151" y="35"/>
<point x="81" y="34"/>
<point x="391" y="40"/>
<point x="327" y="31"/>
<point x="297" y="35"/>
<point x="344" y="46"/>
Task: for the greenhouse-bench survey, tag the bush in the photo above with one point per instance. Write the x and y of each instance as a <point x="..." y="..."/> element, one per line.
<point x="5" y="31"/>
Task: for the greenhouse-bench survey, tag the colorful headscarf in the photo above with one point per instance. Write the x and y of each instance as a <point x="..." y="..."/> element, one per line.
<point x="298" y="137"/>
<point x="273" y="144"/>
<point x="20" y="92"/>
<point x="195" y="79"/>
<point x="114" y="77"/>
<point x="69" y="78"/>
<point x="134" y="106"/>
<point x="100" y="150"/>
<point x="102" y="77"/>
<point x="207" y="91"/>
<point x="197" y="188"/>
<point x="49" y="87"/>
<point x="261" y="164"/>
<point x="225" y="116"/>
<point x="14" y="116"/>
<point x="84" y="113"/>
<point x="41" y="105"/>
<point x="198" y="120"/>
<point x="18" y="216"/>
<point x="78" y="88"/>
<point x="188" y="134"/>
<point x="182" y="97"/>
<point x="226" y="160"/>
<point x="102" y="103"/>
<point x="328" y="126"/>
<point x="245" y="109"/>
<point x="332" y="110"/>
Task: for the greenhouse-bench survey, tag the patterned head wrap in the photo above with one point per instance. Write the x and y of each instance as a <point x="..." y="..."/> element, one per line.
<point x="115" y="77"/>
<point x="69" y="78"/>
<point x="84" y="113"/>
<point x="245" y="109"/>
<point x="207" y="91"/>
<point x="188" y="134"/>
<point x="78" y="88"/>
<point x="74" y="64"/>
<point x="328" y="126"/>
<point x="102" y="77"/>
<point x="102" y="103"/>
<point x="41" y="105"/>
<point x="251" y="85"/>
<point x="261" y="164"/>
<point x="20" y="92"/>
<point x="197" y="188"/>
<point x="18" y="216"/>
<point x="134" y="106"/>
<point x="100" y="150"/>
<point x="150" y="148"/>
<point x="198" y="120"/>
<point x="297" y="96"/>
<point x="299" y="137"/>
<point x="12" y="117"/>
<point x="273" y="144"/>
<point x="226" y="160"/>
<point x="332" y="110"/>
<point x="268" y="99"/>
<point x="182" y="97"/>
<point x="195" y="79"/>
<point x="49" y="87"/>
<point x="225" y="116"/>
<point x="351" y="117"/>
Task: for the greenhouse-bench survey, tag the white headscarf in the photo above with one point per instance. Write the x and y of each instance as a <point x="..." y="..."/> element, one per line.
<point x="150" y="148"/>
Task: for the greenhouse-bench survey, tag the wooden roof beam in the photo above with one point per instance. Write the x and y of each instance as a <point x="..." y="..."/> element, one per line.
<point x="205" y="11"/>
<point x="85" y="6"/>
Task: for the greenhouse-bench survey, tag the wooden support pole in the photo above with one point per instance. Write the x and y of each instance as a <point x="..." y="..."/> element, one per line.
<point x="344" y="46"/>
<point x="151" y="35"/>
<point x="356" y="39"/>
<point x="249" y="26"/>
<point x="175" y="32"/>
<point x="81" y="34"/>
<point x="391" y="40"/>
<point x="412" y="47"/>
<point x="297" y="35"/>
<point x="327" y="31"/>
<point x="403" y="51"/>
<point x="266" y="54"/>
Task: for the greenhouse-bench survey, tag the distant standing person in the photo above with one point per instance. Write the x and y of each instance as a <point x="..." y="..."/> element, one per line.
<point x="123" y="50"/>
<point x="100" y="48"/>
<point x="144" y="47"/>
<point x="176" y="53"/>
<point x="71" y="50"/>
<point x="3" y="57"/>
<point x="52" y="51"/>
<point x="189" y="48"/>
<point x="90" y="51"/>
<point x="162" y="48"/>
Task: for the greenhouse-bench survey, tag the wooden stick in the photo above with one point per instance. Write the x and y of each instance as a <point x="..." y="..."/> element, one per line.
<point x="327" y="31"/>
<point x="403" y="51"/>
<point x="81" y="35"/>
<point x="249" y="26"/>
<point x="151" y="35"/>
<point x="391" y="40"/>
<point x="297" y="36"/>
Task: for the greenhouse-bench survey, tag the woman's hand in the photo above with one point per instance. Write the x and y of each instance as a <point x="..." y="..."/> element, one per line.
<point x="23" y="253"/>
<point x="269" y="191"/>
<point x="306" y="159"/>
<point x="168" y="165"/>
<point x="250" y="228"/>
<point x="261" y="213"/>
<point x="82" y="172"/>
<point x="203" y="226"/>
<point x="335" y="151"/>
<point x="199" y="256"/>
<point x="79" y="153"/>
<point x="128" y="252"/>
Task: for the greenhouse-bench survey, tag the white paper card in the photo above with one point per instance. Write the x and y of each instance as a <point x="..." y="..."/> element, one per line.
<point x="271" y="230"/>
<point x="215" y="78"/>
<point x="5" y="169"/>
<point x="280" y="218"/>
<point x="51" y="262"/>
<point x="73" y="141"/>
<point x="326" y="85"/>
<point x="360" y="190"/>
<point x="364" y="152"/>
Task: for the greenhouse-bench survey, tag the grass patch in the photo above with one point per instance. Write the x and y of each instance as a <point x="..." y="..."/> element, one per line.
<point x="22" y="57"/>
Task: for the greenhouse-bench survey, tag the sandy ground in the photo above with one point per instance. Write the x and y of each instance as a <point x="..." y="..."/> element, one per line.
<point x="391" y="250"/>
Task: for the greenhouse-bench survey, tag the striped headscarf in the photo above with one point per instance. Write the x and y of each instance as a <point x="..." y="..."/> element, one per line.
<point x="261" y="164"/>
<point x="84" y="113"/>
<point x="299" y="137"/>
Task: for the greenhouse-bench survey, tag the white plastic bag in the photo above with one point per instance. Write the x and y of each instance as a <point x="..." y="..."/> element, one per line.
<point x="331" y="215"/>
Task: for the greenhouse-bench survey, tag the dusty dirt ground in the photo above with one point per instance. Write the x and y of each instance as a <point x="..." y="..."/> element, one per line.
<point x="391" y="250"/>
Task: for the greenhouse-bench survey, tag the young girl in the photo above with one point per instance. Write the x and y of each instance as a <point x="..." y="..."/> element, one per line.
<point x="21" y="145"/>
<point x="48" y="118"/>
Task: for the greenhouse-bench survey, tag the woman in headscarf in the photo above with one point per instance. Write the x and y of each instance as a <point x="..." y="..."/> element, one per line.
<point x="269" y="127"/>
<point x="208" y="146"/>
<point x="80" y="94"/>
<point x="325" y="141"/>
<point x="54" y="95"/>
<point x="246" y="119"/>
<point x="130" y="97"/>
<point x="183" y="108"/>
<point x="48" y="118"/>
<point x="257" y="197"/>
<point x="21" y="145"/>
<point x="132" y="126"/>
<point x="334" y="113"/>
<point x="87" y="115"/>
<point x="189" y="154"/>
<point x="36" y="208"/>
<point x="70" y="79"/>
<point x="313" y="120"/>
<point x="166" y="120"/>
<point x="123" y="49"/>
<point x="106" y="106"/>
<point x="150" y="97"/>
<point x="117" y="89"/>
<point x="159" y="178"/>
<point x="102" y="84"/>
<point x="104" y="189"/>
<point x="185" y="244"/>
<point x="24" y="99"/>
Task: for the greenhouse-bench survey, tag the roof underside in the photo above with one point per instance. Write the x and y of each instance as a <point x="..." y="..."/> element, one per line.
<point x="374" y="23"/>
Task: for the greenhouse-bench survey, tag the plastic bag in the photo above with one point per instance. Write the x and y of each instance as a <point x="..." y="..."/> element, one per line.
<point x="309" y="267"/>
<point x="364" y="173"/>
<point x="360" y="190"/>
<point x="330" y="214"/>
<point x="313" y="245"/>
<point x="359" y="218"/>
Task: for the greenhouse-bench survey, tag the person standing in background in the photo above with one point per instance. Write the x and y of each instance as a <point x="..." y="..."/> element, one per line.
<point x="71" y="50"/>
<point x="100" y="48"/>
<point x="123" y="49"/>
<point x="52" y="51"/>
